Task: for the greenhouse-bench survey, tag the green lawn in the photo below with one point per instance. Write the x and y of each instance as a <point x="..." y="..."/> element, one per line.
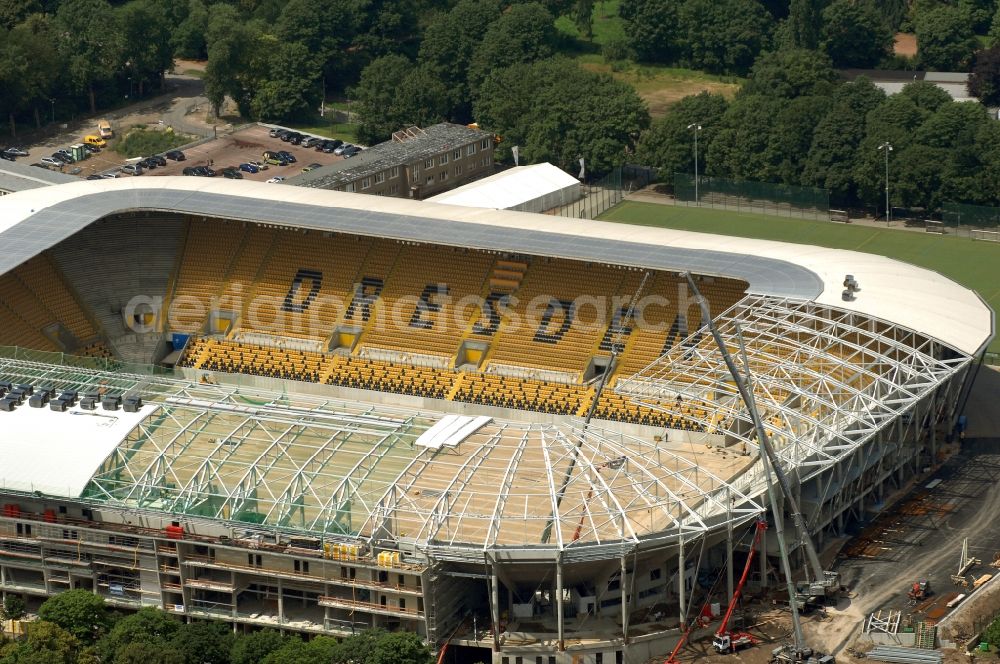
<point x="972" y="264"/>
<point x="344" y="131"/>
<point x="606" y="25"/>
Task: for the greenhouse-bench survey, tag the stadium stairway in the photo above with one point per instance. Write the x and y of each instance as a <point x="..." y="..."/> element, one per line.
<point x="141" y="266"/>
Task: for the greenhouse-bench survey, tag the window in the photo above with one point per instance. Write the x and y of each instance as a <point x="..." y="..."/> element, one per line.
<point x="89" y="515"/>
<point x="366" y="182"/>
<point x="485" y="144"/>
<point x="429" y="163"/>
<point x="394" y="172"/>
<point x="349" y="187"/>
<point x="443" y="159"/>
<point x="618" y="657"/>
<point x="402" y="580"/>
<point x="655" y="574"/>
<point x="302" y="566"/>
<point x="402" y="603"/>
<point x="444" y="175"/>
<point x="599" y="658"/>
<point x="458" y="170"/>
<point x="394" y="189"/>
<point x="485" y="161"/>
<point x="614" y="584"/>
<point x="430" y="179"/>
<point x="255" y="560"/>
<point x="538" y="660"/>
<point x="380" y="177"/>
<point x="471" y="150"/>
<point x="552" y="659"/>
<point x="457" y="154"/>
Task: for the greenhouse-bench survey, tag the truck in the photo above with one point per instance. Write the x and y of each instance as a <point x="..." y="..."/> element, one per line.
<point x="104" y="129"/>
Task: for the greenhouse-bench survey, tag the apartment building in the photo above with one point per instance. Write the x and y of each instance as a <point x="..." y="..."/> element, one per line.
<point x="417" y="163"/>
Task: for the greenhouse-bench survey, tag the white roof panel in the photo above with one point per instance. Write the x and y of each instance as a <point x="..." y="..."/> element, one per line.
<point x="57" y="453"/>
<point x="509" y="188"/>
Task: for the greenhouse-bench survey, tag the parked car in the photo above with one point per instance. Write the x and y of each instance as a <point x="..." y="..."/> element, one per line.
<point x="189" y="170"/>
<point x="350" y="152"/>
<point x="160" y="161"/>
<point x="330" y="145"/>
<point x="275" y="131"/>
<point x="312" y="141"/>
<point x="342" y="148"/>
<point x="275" y="158"/>
<point x="148" y="163"/>
<point x="175" y="155"/>
<point x="7" y="155"/>
<point x="95" y="176"/>
<point x="311" y="167"/>
<point x="259" y="164"/>
<point x="296" y="139"/>
<point x="41" y="165"/>
<point x="91" y="149"/>
<point x="249" y="168"/>
<point x="61" y="157"/>
<point x="232" y="173"/>
<point x="110" y="176"/>
<point x="287" y="156"/>
<point x="287" y="136"/>
<point x="17" y="152"/>
<point x="205" y="171"/>
<point x="276" y="179"/>
<point x="96" y="141"/>
<point x="132" y="169"/>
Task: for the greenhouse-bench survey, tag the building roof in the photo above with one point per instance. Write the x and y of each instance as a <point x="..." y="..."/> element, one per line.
<point x="509" y="188"/>
<point x="406" y="147"/>
<point x="906" y="295"/>
<point x="893" y="81"/>
<point x="58" y="453"/>
<point x="18" y="176"/>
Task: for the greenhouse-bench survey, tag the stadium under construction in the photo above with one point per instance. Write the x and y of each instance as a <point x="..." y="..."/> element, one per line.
<point x="510" y="433"/>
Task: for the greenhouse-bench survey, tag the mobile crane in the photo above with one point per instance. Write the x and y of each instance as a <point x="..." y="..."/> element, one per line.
<point x="821" y="582"/>
<point x="725" y="640"/>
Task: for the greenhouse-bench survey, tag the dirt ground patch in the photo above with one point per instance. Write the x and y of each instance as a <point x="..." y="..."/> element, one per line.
<point x="905" y="44"/>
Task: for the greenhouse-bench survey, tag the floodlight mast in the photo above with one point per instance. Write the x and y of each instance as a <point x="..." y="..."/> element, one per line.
<point x="770" y="462"/>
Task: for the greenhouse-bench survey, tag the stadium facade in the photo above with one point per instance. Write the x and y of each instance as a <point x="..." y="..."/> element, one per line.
<point x="463" y="479"/>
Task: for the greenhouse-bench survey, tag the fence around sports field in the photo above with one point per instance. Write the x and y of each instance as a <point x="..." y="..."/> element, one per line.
<point x="781" y="200"/>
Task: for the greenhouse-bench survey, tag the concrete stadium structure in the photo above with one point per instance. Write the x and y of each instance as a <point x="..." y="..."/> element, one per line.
<point x="496" y="532"/>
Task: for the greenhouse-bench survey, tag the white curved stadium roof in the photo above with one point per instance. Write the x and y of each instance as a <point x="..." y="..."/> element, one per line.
<point x="910" y="296"/>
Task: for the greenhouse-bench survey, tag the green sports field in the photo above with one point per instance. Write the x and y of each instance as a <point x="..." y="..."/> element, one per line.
<point x="973" y="264"/>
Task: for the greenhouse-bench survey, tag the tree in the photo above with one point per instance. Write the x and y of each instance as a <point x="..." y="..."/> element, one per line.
<point x="449" y="43"/>
<point x="92" y="51"/>
<point x="146" y="652"/>
<point x="33" y="37"/>
<point x="13" y="608"/>
<point x="13" y="12"/>
<point x="791" y="73"/>
<point x="393" y="94"/>
<point x="558" y="112"/>
<point x="583" y="17"/>
<point x="945" y="40"/>
<point x="44" y="643"/>
<point x="723" y="35"/>
<point x="255" y="647"/>
<point x="925" y="95"/>
<point x="146" y="625"/>
<point x="805" y="20"/>
<point x="789" y="143"/>
<point x="80" y="612"/>
<point x="837" y="136"/>
<point x="984" y="83"/>
<point x="235" y="59"/>
<point x="320" y="650"/>
<point x="525" y="33"/>
<point x="188" y="38"/>
<point x="668" y="145"/>
<point x="400" y="648"/>
<point x="146" y="39"/>
<point x="741" y="144"/>
<point x="323" y="26"/>
<point x="203" y="643"/>
<point x="854" y="34"/>
<point x="290" y="85"/>
<point x="652" y="28"/>
<point x="386" y="26"/>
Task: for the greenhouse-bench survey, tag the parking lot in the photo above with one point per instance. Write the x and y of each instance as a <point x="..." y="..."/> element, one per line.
<point x="242" y="146"/>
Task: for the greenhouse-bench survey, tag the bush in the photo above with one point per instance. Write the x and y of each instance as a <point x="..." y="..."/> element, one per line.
<point x="616" y="49"/>
<point x="142" y="142"/>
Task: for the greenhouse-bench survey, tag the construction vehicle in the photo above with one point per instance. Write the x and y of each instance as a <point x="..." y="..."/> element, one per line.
<point x="821" y="583"/>
<point x="920" y="590"/>
<point x="726" y="640"/>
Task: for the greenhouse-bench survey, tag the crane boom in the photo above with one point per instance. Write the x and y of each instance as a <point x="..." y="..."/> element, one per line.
<point x="724" y="625"/>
